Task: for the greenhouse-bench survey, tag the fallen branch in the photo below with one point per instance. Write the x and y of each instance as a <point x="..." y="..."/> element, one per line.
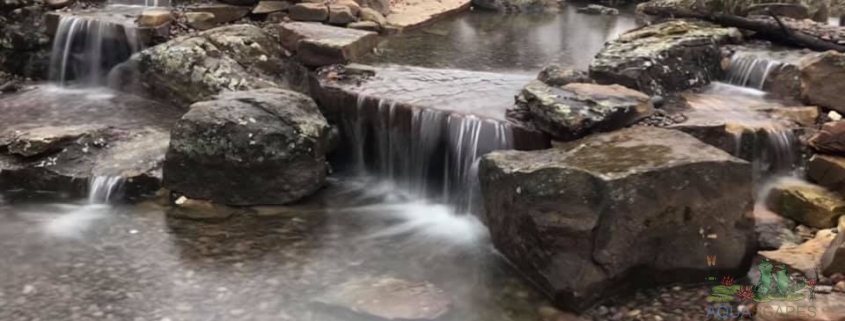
<point x="764" y="30"/>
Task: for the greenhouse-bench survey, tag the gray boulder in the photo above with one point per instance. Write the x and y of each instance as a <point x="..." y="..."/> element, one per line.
<point x="578" y="109"/>
<point x="644" y="204"/>
<point x="264" y="146"/>
<point x="191" y="69"/>
<point x="24" y="43"/>
<point x="666" y="57"/>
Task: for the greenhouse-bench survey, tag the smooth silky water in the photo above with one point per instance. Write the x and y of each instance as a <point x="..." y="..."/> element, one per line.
<point x="97" y="258"/>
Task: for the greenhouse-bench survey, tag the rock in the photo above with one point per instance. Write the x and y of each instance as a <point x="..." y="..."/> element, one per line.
<point x="834" y="116"/>
<point x="402" y="18"/>
<point x="240" y="2"/>
<point x="154" y="18"/>
<point x="806" y="204"/>
<point x="556" y="76"/>
<point x="773" y="231"/>
<point x="353" y="6"/>
<point x="200" y="20"/>
<point x="804" y="116"/>
<point x="277" y="17"/>
<point x="830" y="139"/>
<point x="577" y="109"/>
<point x="615" y="205"/>
<point x="822" y="80"/>
<point x="368" y="14"/>
<point x="388" y="299"/>
<point x="120" y="137"/>
<point x="222" y="13"/>
<point x="827" y="171"/>
<point x="321" y="45"/>
<point x="48" y="139"/>
<point x="365" y="25"/>
<point x="833" y="260"/>
<point x="309" y="12"/>
<point x="341" y="15"/>
<point x="200" y="210"/>
<point x="191" y="69"/>
<point x="24" y="43"/>
<point x="264" y="146"/>
<point x="57" y="4"/>
<point x="270" y="6"/>
<point x="784" y="8"/>
<point x="790" y="10"/>
<point x="380" y="6"/>
<point x="512" y="5"/>
<point x="839" y="287"/>
<point x="598" y="9"/>
<point x="805" y="257"/>
<point x="665" y="57"/>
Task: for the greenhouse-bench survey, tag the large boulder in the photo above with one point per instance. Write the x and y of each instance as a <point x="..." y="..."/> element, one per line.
<point x="805" y="203"/>
<point x="805" y="257"/>
<point x="512" y="5"/>
<point x="264" y="146"/>
<point x="191" y="69"/>
<point x="577" y="109"/>
<point x="643" y="203"/>
<point x="665" y="57"/>
<point x="555" y="75"/>
<point x="823" y="80"/>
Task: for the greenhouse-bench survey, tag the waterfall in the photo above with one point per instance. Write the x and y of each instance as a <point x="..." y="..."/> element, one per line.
<point x="430" y="153"/>
<point x="102" y="189"/>
<point x="86" y="49"/>
<point x="749" y="70"/>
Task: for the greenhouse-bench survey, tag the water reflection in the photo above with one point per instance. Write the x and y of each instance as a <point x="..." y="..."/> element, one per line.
<point x="513" y="43"/>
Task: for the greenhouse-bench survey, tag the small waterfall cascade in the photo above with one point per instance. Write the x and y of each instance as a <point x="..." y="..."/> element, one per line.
<point x="103" y="189"/>
<point x="430" y="153"/>
<point x="751" y="70"/>
<point x="765" y="140"/>
<point x="86" y="48"/>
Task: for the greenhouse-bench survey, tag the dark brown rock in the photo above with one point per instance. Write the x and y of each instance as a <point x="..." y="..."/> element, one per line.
<point x="587" y="221"/>
<point x="830" y="139"/>
<point x="827" y="171"/>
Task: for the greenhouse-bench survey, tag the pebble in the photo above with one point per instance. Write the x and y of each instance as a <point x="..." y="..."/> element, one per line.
<point x="824" y="289"/>
<point x="839" y="287"/>
<point x="27" y="289"/>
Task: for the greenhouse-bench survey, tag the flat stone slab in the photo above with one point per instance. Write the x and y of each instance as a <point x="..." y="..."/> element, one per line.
<point x="317" y="44"/>
<point x="422" y="12"/>
<point x="577" y="109"/>
<point x="389" y="299"/>
<point x="483" y="94"/>
<point x="57" y="138"/>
